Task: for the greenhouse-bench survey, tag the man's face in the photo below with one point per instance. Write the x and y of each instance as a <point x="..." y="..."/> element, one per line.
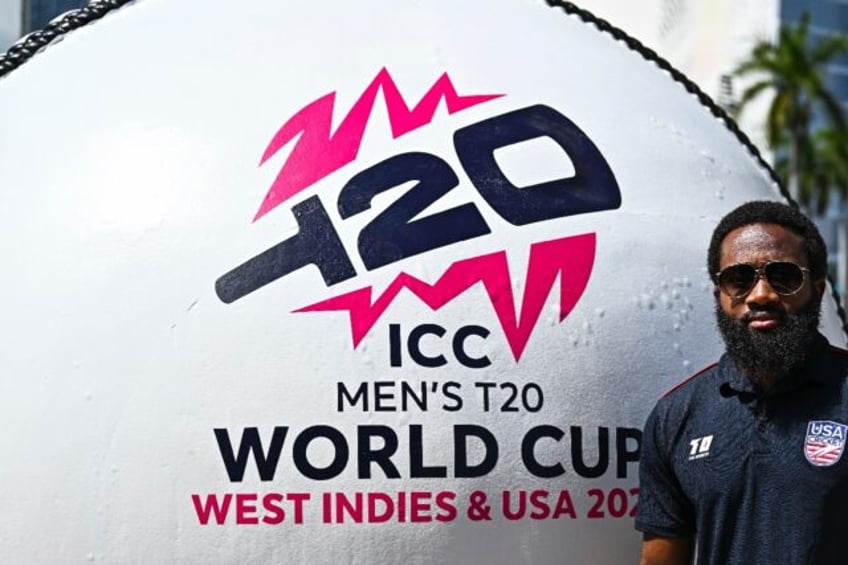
<point x="757" y="244"/>
<point x="767" y="333"/>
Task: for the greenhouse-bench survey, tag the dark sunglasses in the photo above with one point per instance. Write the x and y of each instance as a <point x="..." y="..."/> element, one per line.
<point x="784" y="277"/>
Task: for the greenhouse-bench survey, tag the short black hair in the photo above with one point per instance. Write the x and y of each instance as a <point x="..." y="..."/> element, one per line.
<point x="769" y="212"/>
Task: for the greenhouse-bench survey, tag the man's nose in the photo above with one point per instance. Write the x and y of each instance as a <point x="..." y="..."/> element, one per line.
<point x="762" y="293"/>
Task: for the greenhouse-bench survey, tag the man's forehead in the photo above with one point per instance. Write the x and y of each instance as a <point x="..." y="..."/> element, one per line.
<point x="762" y="241"/>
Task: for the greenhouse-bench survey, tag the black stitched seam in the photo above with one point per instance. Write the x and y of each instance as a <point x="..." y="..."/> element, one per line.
<point x="29" y="45"/>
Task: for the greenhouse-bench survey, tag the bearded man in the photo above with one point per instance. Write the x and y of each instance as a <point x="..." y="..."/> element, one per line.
<point x="743" y="462"/>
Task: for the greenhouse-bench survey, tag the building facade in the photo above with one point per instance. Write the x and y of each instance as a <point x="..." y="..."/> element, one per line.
<point x="10" y="22"/>
<point x="827" y="17"/>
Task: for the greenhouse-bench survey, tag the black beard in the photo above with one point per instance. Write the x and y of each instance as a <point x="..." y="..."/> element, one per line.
<point x="767" y="356"/>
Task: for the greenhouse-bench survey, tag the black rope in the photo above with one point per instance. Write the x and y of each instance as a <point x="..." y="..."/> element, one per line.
<point x="23" y="50"/>
<point x="692" y="88"/>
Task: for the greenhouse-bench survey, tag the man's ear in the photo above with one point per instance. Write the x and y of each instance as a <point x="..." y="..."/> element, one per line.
<point x="819" y="285"/>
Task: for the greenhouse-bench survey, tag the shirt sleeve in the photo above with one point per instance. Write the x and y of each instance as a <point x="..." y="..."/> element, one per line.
<point x="664" y="509"/>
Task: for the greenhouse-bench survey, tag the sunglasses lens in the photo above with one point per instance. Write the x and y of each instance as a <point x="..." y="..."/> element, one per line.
<point x="785" y="278"/>
<point x="737" y="280"/>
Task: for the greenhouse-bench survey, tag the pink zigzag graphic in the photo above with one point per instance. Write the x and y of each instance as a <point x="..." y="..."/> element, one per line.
<point x="319" y="153"/>
<point x="570" y="258"/>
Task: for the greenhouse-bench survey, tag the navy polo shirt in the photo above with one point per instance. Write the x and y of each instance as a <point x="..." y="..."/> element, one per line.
<point x="754" y="478"/>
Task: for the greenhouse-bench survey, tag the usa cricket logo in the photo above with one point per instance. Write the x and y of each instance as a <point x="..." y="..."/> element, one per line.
<point x="406" y="229"/>
<point x="825" y="442"/>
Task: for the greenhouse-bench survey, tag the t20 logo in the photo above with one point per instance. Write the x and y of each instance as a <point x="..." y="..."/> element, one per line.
<point x="395" y="234"/>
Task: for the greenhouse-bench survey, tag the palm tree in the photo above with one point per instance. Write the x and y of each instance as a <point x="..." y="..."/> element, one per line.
<point x="793" y="69"/>
<point x="822" y="168"/>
